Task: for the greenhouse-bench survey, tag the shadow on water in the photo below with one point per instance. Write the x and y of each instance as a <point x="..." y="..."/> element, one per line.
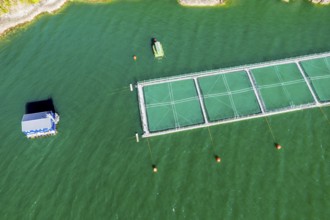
<point x="40" y="106"/>
<point x="152" y="42"/>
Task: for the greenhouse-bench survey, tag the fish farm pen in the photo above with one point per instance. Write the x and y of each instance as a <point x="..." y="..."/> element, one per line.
<point x="228" y="95"/>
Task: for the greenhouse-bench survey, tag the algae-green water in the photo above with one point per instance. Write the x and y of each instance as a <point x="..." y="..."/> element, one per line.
<point x="94" y="169"/>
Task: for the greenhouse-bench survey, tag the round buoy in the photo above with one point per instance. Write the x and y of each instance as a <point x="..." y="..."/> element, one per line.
<point x="218" y="159"/>
<point x="134" y="57"/>
<point x="155" y="169"/>
<point x="278" y="147"/>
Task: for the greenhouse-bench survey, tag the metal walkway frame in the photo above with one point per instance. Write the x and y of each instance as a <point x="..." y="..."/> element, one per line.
<point x="247" y="69"/>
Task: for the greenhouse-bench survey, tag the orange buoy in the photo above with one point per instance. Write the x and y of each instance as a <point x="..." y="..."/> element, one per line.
<point x="134" y="57"/>
<point x="278" y="147"/>
<point x="217" y="159"/>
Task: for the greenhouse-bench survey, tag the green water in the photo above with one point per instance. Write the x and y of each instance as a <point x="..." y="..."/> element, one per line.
<point x="94" y="169"/>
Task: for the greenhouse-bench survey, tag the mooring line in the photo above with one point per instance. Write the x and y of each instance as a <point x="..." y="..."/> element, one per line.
<point x="270" y="129"/>
<point x="212" y="141"/>
<point x="208" y="128"/>
<point x="152" y="160"/>
<point x="325" y="115"/>
<point x="115" y="92"/>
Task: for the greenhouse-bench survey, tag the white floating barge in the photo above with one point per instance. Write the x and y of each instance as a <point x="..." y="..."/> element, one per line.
<point x="40" y="124"/>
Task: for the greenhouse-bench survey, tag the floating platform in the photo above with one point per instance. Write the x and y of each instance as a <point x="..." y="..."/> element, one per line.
<point x="39" y="124"/>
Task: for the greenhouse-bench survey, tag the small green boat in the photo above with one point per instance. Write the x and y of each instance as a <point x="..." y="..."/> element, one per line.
<point x="157" y="48"/>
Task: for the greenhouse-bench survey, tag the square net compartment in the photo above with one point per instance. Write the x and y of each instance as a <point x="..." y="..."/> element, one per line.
<point x="282" y="86"/>
<point x="172" y="105"/>
<point x="228" y="95"/>
<point x="318" y="72"/>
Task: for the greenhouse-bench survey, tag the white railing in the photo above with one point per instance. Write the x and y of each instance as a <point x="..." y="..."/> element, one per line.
<point x="206" y="121"/>
<point x="233" y="69"/>
<point x="256" y="92"/>
<point x="142" y="107"/>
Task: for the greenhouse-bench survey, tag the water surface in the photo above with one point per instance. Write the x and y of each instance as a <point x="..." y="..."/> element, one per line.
<point x="94" y="169"/>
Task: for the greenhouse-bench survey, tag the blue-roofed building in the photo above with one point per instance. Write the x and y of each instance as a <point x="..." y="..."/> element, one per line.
<point x="39" y="124"/>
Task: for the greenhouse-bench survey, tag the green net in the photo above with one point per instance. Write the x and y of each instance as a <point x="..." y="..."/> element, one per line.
<point x="318" y="72"/>
<point x="228" y="96"/>
<point x="282" y="86"/>
<point x="172" y="105"/>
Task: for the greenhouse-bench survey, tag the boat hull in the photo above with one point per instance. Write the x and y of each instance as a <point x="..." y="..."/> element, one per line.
<point x="158" y="50"/>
